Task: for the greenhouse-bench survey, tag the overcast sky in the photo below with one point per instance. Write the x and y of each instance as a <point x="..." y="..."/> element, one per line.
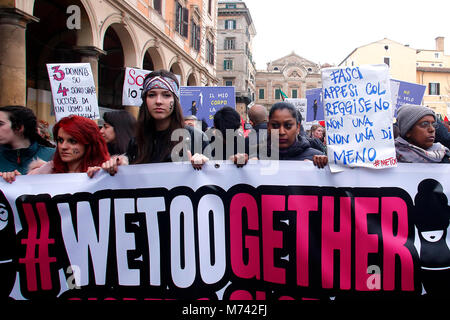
<point x="326" y="31"/>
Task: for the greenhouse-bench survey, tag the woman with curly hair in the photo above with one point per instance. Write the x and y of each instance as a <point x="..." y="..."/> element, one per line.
<point x="79" y="148"/>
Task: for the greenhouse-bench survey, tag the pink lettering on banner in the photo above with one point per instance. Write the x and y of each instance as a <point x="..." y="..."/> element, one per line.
<point x="241" y="295"/>
<point x="365" y="243"/>
<point x="40" y="243"/>
<point x="303" y="205"/>
<point x="394" y="244"/>
<point x="238" y="241"/>
<point x="336" y="240"/>
<point x="271" y="239"/>
<point x="386" y="162"/>
<point x="246" y="295"/>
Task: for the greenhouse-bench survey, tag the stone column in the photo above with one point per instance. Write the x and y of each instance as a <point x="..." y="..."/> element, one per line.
<point x="13" y="23"/>
<point x="91" y="55"/>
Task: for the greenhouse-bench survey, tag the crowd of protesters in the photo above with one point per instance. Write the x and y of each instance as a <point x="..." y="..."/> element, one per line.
<point x="162" y="134"/>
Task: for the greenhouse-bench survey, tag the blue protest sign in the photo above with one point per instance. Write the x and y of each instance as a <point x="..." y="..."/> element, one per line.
<point x="314" y="106"/>
<point x="204" y="102"/>
<point x="408" y="93"/>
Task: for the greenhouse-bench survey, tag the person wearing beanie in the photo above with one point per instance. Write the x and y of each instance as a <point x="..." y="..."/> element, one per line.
<point x="417" y="133"/>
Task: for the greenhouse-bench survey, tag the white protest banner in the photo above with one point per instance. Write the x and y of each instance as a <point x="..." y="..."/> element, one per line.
<point x="358" y="117"/>
<point x="166" y="231"/>
<point x="133" y="85"/>
<point x="73" y="90"/>
<point x="300" y="104"/>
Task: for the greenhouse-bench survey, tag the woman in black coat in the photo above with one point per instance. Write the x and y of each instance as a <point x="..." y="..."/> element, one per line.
<point x="283" y="119"/>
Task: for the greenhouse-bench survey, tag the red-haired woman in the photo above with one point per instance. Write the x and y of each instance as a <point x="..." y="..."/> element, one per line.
<point x="79" y="148"/>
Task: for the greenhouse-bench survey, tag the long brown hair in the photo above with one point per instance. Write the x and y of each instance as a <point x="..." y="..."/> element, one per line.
<point x="146" y="127"/>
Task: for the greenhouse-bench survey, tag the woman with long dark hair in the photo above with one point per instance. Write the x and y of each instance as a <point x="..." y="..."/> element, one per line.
<point x="118" y="130"/>
<point x="20" y="142"/>
<point x="283" y="118"/>
<point x="158" y="138"/>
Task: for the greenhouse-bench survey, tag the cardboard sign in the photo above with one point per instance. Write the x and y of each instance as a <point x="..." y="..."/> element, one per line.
<point x="132" y="86"/>
<point x="73" y="90"/>
<point x="358" y="117"/>
<point x="299" y="104"/>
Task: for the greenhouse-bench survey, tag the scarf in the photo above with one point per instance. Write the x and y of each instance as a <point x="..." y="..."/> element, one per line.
<point x="159" y="82"/>
<point x="407" y="152"/>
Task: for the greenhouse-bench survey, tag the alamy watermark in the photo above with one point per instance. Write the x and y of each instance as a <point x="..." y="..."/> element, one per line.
<point x="73" y="22"/>
<point x="374" y="280"/>
<point x="234" y="143"/>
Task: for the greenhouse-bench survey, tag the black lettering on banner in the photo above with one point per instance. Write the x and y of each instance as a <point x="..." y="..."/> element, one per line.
<point x="270" y="242"/>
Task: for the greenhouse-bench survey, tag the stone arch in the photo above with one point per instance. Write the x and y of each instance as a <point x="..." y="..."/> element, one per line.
<point x="176" y="68"/>
<point x="126" y="35"/>
<point x="51" y="41"/>
<point x="152" y="50"/>
<point x="111" y="70"/>
<point x="192" y="79"/>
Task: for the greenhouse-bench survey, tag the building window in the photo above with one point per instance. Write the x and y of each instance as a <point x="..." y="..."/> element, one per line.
<point x="227" y="64"/>
<point x="181" y="20"/>
<point x="434" y="89"/>
<point x="210" y="7"/>
<point x="387" y="61"/>
<point x="228" y="83"/>
<point x="436" y="55"/>
<point x="209" y="52"/>
<point x="230" y="6"/>
<point x="294" y="93"/>
<point x="230" y="24"/>
<point x="277" y="94"/>
<point x="195" y="36"/>
<point x="261" y="93"/>
<point x="157" y="6"/>
<point x="230" y="44"/>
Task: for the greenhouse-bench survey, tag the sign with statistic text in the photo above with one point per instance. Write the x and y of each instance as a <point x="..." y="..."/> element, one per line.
<point x="73" y="90"/>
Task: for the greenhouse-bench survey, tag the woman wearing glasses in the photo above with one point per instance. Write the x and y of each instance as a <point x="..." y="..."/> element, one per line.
<point x="416" y="142"/>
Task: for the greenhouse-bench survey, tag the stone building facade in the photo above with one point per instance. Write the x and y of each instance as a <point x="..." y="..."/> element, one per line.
<point x="177" y="35"/>
<point x="429" y="67"/>
<point x="292" y="74"/>
<point x="235" y="65"/>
